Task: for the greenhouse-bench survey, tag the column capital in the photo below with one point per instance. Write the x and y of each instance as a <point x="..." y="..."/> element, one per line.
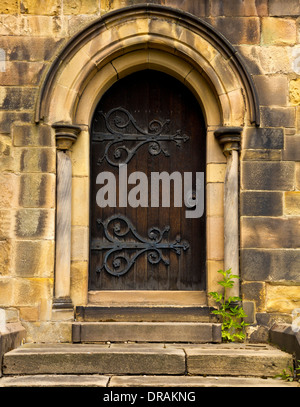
<point x="66" y="134"/>
<point x="229" y="138"/>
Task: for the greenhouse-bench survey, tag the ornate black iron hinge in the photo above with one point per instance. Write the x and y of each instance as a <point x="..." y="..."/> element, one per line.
<point x="116" y="228"/>
<point x="116" y="152"/>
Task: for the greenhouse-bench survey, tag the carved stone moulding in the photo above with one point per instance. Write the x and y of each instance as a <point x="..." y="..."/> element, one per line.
<point x="65" y="134"/>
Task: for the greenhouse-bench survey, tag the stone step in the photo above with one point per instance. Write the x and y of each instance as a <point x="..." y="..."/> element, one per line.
<point x="140" y="381"/>
<point x="91" y="332"/>
<point x="147" y="359"/>
<point x="94" y="359"/>
<point x="145" y="314"/>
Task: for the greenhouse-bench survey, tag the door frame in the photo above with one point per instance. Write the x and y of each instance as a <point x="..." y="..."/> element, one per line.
<point x="123" y="42"/>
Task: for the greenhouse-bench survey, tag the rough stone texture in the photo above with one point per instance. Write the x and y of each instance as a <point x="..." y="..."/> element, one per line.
<point x="254" y="291"/>
<point x="266" y="36"/>
<point x="222" y="361"/>
<point x="292" y="203"/>
<point x="284" y="8"/>
<point x="269" y="176"/>
<point x="294" y="92"/>
<point x="261" y="203"/>
<point x="270" y="265"/>
<point x="282" y="298"/>
<point x="95" y="359"/>
<point x="141" y="381"/>
<point x="35" y="258"/>
<point x="263" y="138"/>
<point x="91" y="332"/>
<point x="272" y="233"/>
<point x="278" y="31"/>
<point x="11" y="338"/>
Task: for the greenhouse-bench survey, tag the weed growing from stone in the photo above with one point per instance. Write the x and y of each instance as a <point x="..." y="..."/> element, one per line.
<point x="231" y="313"/>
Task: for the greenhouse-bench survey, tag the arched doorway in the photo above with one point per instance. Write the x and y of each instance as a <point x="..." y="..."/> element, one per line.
<point x="109" y="49"/>
<point x="147" y="215"/>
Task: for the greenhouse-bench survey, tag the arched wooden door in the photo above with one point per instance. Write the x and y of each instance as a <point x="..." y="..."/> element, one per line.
<point x="147" y="123"/>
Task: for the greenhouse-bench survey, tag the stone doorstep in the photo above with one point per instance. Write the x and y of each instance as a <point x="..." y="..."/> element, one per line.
<point x="13" y="336"/>
<point x="144" y="313"/>
<point x="89" y="332"/>
<point x="140" y="381"/>
<point x="147" y="359"/>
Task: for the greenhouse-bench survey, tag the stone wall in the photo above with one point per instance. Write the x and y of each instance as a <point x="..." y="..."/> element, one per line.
<point x="266" y="33"/>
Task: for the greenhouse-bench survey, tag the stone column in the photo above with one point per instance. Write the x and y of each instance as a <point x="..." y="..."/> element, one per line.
<point x="66" y="135"/>
<point x="229" y="138"/>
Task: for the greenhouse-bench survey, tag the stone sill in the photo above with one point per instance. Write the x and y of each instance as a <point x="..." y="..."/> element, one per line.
<point x="13" y="337"/>
<point x="283" y="336"/>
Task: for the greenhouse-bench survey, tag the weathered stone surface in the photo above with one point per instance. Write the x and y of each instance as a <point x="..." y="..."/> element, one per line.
<point x="43" y="26"/>
<point x="86" y="7"/>
<point x="79" y="282"/>
<point x="215" y="172"/>
<point x="261" y="203"/>
<point x="22" y="48"/>
<point x="261" y="155"/>
<point x="51" y="7"/>
<point x="5" y="257"/>
<point x="272" y="90"/>
<point x="9" y="7"/>
<point x="292" y="203"/>
<point x="34" y="259"/>
<point x="29" y="313"/>
<point x="48" y="332"/>
<point x="55" y="381"/>
<point x="15" y="98"/>
<point x="292" y="150"/>
<point x="238" y="8"/>
<point x="37" y="191"/>
<point x="239" y="30"/>
<point x="272" y="233"/>
<point x="276" y="176"/>
<point x="35" y="223"/>
<point x="24" y="135"/>
<point x="284" y="8"/>
<point x="30" y="291"/>
<point x="278" y="31"/>
<point x="19" y="73"/>
<point x="270" y="265"/>
<point x="215" y="240"/>
<point x="91" y="332"/>
<point x="80" y="211"/>
<point x="8" y="118"/>
<point x="9" y="190"/>
<point x="95" y="359"/>
<point x="263" y="138"/>
<point x="266" y="60"/>
<point x="37" y="160"/>
<point x="6" y="224"/>
<point x="278" y="116"/>
<point x="254" y="291"/>
<point x="294" y="91"/>
<point x="282" y="298"/>
<point x="184" y="381"/>
<point x="6" y="291"/>
<point x="220" y="361"/>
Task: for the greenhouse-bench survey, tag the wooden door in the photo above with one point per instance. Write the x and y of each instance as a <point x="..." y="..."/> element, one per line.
<point x="152" y="123"/>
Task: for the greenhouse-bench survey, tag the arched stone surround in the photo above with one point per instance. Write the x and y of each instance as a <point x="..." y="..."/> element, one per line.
<point x="122" y="42"/>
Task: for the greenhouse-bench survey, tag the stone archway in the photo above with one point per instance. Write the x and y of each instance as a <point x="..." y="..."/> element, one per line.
<point x="122" y="42"/>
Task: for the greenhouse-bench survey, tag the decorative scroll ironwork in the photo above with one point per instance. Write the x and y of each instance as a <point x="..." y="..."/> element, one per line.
<point x="116" y="121"/>
<point x="118" y="263"/>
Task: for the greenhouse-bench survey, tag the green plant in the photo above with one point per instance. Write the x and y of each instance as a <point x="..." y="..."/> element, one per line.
<point x="290" y="376"/>
<point x="233" y="325"/>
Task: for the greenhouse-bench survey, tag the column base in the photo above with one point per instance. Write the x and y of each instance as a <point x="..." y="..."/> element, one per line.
<point x="62" y="303"/>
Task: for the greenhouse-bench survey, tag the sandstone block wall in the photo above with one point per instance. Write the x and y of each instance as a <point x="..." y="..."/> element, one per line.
<point x="266" y="33"/>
